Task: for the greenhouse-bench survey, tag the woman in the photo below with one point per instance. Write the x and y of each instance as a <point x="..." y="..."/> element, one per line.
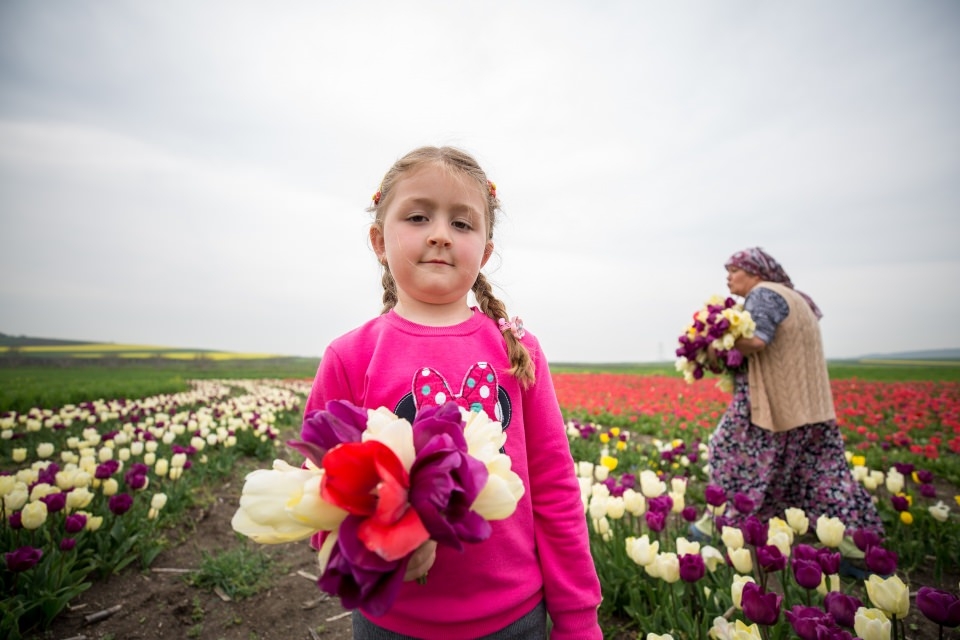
<point x="778" y="442"/>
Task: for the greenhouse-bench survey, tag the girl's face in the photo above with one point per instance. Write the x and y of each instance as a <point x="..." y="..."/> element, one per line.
<point x="740" y="282"/>
<point x="434" y="239"/>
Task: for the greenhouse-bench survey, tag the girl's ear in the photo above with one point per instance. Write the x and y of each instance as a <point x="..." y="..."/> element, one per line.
<point x="376" y="241"/>
<point x="487" y="252"/>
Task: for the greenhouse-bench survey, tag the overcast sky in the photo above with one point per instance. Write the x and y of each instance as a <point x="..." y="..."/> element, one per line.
<point x="195" y="174"/>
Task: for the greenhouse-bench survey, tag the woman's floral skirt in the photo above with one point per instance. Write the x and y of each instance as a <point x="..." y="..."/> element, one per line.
<point x="804" y="468"/>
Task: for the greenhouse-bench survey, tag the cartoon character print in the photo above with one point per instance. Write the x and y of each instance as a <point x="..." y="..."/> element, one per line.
<point x="478" y="391"/>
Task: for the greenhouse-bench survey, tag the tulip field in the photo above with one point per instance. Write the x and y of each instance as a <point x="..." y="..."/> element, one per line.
<point x="92" y="487"/>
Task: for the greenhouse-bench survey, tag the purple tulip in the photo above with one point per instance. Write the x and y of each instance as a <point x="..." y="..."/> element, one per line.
<point x="445" y="480"/>
<point x="106" y="469"/>
<point x="829" y="560"/>
<point x="75" y="523"/>
<point x="810" y="623"/>
<point x="322" y="429"/>
<point x="16" y="520"/>
<point x="762" y="608"/>
<point x="900" y="503"/>
<point x="55" y="501"/>
<point x="660" y="504"/>
<point x="734" y="358"/>
<point x="715" y="495"/>
<point x="842" y="607"/>
<point x="807" y="573"/>
<point x="804" y="552"/>
<point x="743" y="503"/>
<point x="925" y="476"/>
<point x="628" y="481"/>
<point x="67" y="544"/>
<point x="689" y="514"/>
<point x="866" y="538"/>
<point x="771" y="559"/>
<point x="656" y="520"/>
<point x="940" y="606"/>
<point x="905" y="468"/>
<point x="928" y="491"/>
<point x="120" y="503"/>
<point x="881" y="561"/>
<point x="755" y="532"/>
<point x="358" y="576"/>
<point x="692" y="567"/>
<point x="23" y="558"/>
<point x="48" y="475"/>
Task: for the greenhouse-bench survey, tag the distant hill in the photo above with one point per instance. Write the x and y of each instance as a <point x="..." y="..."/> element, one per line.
<point x="929" y="354"/>
<point x="27" y="341"/>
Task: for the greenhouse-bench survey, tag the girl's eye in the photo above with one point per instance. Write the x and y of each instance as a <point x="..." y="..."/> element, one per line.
<point x="416" y="217"/>
<point x="463" y="225"/>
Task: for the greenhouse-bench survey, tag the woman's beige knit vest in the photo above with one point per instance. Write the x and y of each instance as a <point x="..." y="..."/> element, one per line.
<point x="789" y="385"/>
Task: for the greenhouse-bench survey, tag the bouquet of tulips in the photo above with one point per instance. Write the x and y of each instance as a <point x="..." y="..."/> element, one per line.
<point x="717" y="324"/>
<point x="381" y="487"/>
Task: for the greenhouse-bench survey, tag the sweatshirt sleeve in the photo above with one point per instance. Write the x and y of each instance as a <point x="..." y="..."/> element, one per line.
<point x="330" y="383"/>
<point x="571" y="586"/>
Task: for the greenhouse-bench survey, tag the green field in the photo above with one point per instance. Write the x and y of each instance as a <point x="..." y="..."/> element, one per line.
<point x="62" y="382"/>
<point x="55" y="385"/>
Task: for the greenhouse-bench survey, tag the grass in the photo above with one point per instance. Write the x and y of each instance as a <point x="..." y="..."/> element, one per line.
<point x="240" y="572"/>
<point x="49" y="384"/>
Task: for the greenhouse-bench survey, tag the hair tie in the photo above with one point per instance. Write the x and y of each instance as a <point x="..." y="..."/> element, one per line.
<point x="515" y="327"/>
<point x="492" y="188"/>
<point x="376" y="197"/>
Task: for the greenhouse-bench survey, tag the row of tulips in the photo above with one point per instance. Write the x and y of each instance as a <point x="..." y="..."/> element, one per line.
<point x="86" y="489"/>
<point x="773" y="579"/>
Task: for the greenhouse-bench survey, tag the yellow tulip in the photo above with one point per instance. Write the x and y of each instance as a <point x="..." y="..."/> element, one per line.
<point x="906" y="517"/>
<point x="668" y="567"/>
<point x="830" y="531"/>
<point x="641" y="550"/>
<point x="871" y="624"/>
<point x="858" y="461"/>
<point x="712" y="558"/>
<point x="889" y="594"/>
<point x="16" y="497"/>
<point x="741" y="559"/>
<point x="940" y="512"/>
<point x="732" y="538"/>
<point x="33" y="515"/>
<point x="283" y="504"/>
<point x="797" y="520"/>
<point x="79" y="498"/>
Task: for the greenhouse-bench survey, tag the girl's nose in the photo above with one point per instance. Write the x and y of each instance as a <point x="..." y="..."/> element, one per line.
<point x="439" y="235"/>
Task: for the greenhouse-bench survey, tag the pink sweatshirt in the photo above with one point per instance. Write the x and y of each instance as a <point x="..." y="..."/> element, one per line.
<point x="542" y="550"/>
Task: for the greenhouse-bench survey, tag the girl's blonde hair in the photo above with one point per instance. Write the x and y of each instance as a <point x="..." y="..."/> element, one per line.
<point x="462" y="164"/>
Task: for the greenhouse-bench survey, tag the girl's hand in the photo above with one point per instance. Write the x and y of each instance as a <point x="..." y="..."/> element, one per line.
<point x="421" y="561"/>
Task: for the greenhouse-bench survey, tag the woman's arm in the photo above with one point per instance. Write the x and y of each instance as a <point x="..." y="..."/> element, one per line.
<point x="748" y="346"/>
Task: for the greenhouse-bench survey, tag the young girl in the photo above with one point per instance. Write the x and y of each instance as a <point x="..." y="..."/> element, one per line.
<point x="433" y="231"/>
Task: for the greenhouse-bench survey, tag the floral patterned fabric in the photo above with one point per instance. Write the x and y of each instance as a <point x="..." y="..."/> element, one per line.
<point x="803" y="468"/>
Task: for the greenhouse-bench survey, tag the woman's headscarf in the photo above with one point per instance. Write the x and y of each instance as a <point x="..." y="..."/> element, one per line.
<point x="758" y="262"/>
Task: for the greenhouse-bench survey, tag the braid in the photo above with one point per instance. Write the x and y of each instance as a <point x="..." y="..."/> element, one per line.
<point x="389" y="290"/>
<point x="522" y="365"/>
